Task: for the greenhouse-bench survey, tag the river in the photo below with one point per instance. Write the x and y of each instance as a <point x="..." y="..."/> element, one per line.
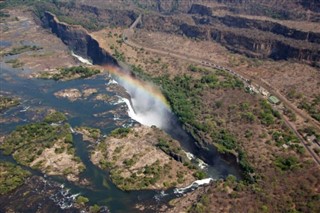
<point x="38" y="94"/>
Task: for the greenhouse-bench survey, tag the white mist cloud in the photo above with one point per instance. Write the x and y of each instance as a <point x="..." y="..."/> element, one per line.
<point x="144" y="107"/>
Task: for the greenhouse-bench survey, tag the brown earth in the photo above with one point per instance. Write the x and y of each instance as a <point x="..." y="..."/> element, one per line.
<point x="21" y="29"/>
<point x="64" y="164"/>
<point x="139" y="147"/>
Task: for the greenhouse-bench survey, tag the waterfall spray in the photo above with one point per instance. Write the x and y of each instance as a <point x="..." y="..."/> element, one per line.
<point x="147" y="105"/>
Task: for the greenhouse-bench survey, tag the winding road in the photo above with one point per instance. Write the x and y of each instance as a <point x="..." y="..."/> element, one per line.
<point x="127" y="33"/>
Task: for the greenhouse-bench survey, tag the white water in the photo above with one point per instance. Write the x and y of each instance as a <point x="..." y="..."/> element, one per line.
<point x="147" y="118"/>
<point x="144" y="107"/>
<point x="190" y="156"/>
<point x="83" y="60"/>
<point x="200" y="162"/>
<point x="112" y="81"/>
<point x="194" y="185"/>
<point x="72" y="130"/>
<point x="25" y="109"/>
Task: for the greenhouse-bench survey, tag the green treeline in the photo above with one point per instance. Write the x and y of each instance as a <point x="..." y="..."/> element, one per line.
<point x="11" y="176"/>
<point x="82" y="72"/>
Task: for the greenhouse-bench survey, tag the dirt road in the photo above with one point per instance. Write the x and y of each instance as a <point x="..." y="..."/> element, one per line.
<point x="127" y="34"/>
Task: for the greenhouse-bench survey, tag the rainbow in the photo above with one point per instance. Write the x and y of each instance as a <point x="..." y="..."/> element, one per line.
<point x="147" y="87"/>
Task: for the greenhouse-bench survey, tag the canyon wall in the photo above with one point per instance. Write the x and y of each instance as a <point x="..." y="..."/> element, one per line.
<point x="254" y="37"/>
<point x="78" y="40"/>
<point x="263" y="25"/>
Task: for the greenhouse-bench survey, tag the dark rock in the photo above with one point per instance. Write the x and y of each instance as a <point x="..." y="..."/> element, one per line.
<point x="78" y="40"/>
<point x="200" y="9"/>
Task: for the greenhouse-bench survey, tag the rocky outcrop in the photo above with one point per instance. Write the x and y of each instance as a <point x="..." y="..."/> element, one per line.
<point x="78" y="40"/>
<point x="267" y="26"/>
<point x="194" y="31"/>
<point x="253" y="43"/>
<point x="265" y="48"/>
<point x="313" y="5"/>
<point x="200" y="9"/>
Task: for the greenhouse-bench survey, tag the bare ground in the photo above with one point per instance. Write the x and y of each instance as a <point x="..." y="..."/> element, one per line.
<point x="139" y="146"/>
<point x="21" y="29"/>
<point x="64" y="164"/>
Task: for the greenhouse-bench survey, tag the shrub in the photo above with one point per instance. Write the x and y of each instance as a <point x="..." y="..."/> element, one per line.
<point x="287" y="163"/>
<point x="82" y="200"/>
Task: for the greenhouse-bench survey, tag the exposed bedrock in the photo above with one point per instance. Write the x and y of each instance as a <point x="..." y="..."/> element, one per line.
<point x="253" y="44"/>
<point x="78" y="40"/>
<point x="267" y="26"/>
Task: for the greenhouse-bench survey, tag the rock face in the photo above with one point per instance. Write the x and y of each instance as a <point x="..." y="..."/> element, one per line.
<point x="200" y="9"/>
<point x="249" y="36"/>
<point x="79" y="40"/>
<point x="254" y="37"/>
<point x="266" y="26"/>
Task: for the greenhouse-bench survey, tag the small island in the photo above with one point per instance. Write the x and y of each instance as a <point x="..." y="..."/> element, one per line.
<point x="47" y="146"/>
<point x="7" y="102"/>
<point x="73" y="94"/>
<point x="70" y="73"/>
<point x="144" y="158"/>
<point x="89" y="134"/>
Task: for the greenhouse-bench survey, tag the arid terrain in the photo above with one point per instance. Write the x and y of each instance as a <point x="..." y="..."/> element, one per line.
<point x="140" y="163"/>
<point x="241" y="76"/>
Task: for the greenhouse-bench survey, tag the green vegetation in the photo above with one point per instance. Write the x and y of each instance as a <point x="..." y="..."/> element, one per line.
<point x="184" y="95"/>
<point x="287" y="163"/>
<point x="119" y="55"/>
<point x="312" y="108"/>
<point x="94" y="209"/>
<point x="55" y="117"/>
<point x="194" y="68"/>
<point x="81" y="200"/>
<point x="184" y="92"/>
<point x="22" y="49"/>
<point x="75" y="72"/>
<point x="120" y="132"/>
<point x="225" y="142"/>
<point x="172" y="149"/>
<point x="11" y="177"/>
<point x="284" y="137"/>
<point x="267" y="114"/>
<point x="15" y="63"/>
<point x="199" y="175"/>
<point x="309" y="131"/>
<point x="7" y="102"/>
<point x="140" y="179"/>
<point x="27" y="142"/>
<point x="93" y="132"/>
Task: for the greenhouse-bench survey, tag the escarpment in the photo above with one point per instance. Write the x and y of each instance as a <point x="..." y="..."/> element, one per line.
<point x="78" y="40"/>
<point x="224" y="21"/>
<point x="263" y="41"/>
<point x="263" y="25"/>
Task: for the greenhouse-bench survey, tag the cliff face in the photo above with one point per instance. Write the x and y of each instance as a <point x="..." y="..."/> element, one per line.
<point x="255" y="37"/>
<point x="253" y="44"/>
<point x="200" y="9"/>
<point x="267" y="26"/>
<point x="78" y="40"/>
<point x="265" y="48"/>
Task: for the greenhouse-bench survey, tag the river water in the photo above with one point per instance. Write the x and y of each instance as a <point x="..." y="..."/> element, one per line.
<point x="39" y="94"/>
